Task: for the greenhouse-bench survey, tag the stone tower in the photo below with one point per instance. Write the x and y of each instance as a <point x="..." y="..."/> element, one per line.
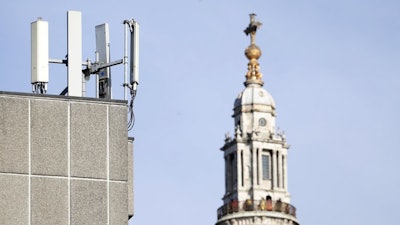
<point x="256" y="187"/>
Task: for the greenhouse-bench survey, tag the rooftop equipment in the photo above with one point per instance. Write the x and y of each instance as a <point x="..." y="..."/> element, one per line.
<point x="77" y="75"/>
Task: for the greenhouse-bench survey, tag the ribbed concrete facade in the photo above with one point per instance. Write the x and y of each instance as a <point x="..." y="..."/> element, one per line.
<point x="64" y="160"/>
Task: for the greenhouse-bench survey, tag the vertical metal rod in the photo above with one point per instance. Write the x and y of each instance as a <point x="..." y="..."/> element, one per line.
<point x="83" y="86"/>
<point x="96" y="61"/>
<point x="97" y="85"/>
<point x="109" y="80"/>
<point x="126" y="26"/>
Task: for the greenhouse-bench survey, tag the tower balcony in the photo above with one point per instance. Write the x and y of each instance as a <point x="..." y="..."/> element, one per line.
<point x="258" y="205"/>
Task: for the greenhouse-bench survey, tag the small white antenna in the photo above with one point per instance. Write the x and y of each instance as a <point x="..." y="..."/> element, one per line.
<point x="133" y="26"/>
<point x="134" y="75"/>
<point x="74" y="55"/>
<point x="39" y="56"/>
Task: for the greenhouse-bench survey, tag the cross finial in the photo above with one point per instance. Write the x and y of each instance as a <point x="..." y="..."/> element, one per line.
<point x="253" y="53"/>
<point x="252" y="28"/>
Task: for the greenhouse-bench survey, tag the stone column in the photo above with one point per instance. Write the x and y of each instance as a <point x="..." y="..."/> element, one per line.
<point x="239" y="169"/>
<point x="226" y="173"/>
<point x="259" y="163"/>
<point x="280" y="178"/>
<point x="285" y="179"/>
<point x="255" y="167"/>
<point x="274" y="170"/>
<point x="251" y="172"/>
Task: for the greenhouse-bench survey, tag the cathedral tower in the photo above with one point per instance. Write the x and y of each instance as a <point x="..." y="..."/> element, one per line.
<point x="256" y="186"/>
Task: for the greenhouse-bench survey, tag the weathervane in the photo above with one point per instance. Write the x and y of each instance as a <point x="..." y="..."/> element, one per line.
<point x="253" y="53"/>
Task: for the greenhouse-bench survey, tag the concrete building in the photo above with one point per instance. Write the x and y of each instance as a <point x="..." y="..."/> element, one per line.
<point x="64" y="160"/>
<point x="256" y="185"/>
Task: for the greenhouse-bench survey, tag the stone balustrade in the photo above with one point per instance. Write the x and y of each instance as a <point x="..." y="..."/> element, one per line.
<point x="257" y="205"/>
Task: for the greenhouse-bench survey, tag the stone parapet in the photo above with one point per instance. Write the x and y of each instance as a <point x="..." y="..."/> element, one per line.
<point x="261" y="205"/>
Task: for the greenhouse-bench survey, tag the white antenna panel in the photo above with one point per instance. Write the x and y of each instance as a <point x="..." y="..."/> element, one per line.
<point x="39" y="52"/>
<point x="74" y="40"/>
<point x="103" y="48"/>
<point x="134" y="60"/>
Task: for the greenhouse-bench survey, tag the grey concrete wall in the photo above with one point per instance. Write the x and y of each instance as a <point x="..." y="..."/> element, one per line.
<point x="64" y="160"/>
<point x="130" y="178"/>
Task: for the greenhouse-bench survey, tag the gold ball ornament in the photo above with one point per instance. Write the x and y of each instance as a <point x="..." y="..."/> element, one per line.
<point x="253" y="52"/>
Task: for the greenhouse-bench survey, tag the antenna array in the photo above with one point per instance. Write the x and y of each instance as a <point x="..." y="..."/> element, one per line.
<point x="77" y="75"/>
<point x="101" y="67"/>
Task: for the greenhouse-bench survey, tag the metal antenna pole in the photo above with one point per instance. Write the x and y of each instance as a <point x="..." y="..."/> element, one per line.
<point x="126" y="26"/>
<point x="83" y="86"/>
<point x="96" y="60"/>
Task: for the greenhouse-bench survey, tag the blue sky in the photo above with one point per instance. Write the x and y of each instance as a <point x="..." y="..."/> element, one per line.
<point x="331" y="66"/>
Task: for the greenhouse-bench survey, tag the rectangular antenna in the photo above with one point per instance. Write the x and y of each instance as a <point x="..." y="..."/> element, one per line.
<point x="74" y="43"/>
<point x="134" y="60"/>
<point x="40" y="55"/>
<point x="103" y="49"/>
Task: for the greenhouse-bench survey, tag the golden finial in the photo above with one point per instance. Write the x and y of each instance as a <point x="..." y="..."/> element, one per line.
<point x="253" y="53"/>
